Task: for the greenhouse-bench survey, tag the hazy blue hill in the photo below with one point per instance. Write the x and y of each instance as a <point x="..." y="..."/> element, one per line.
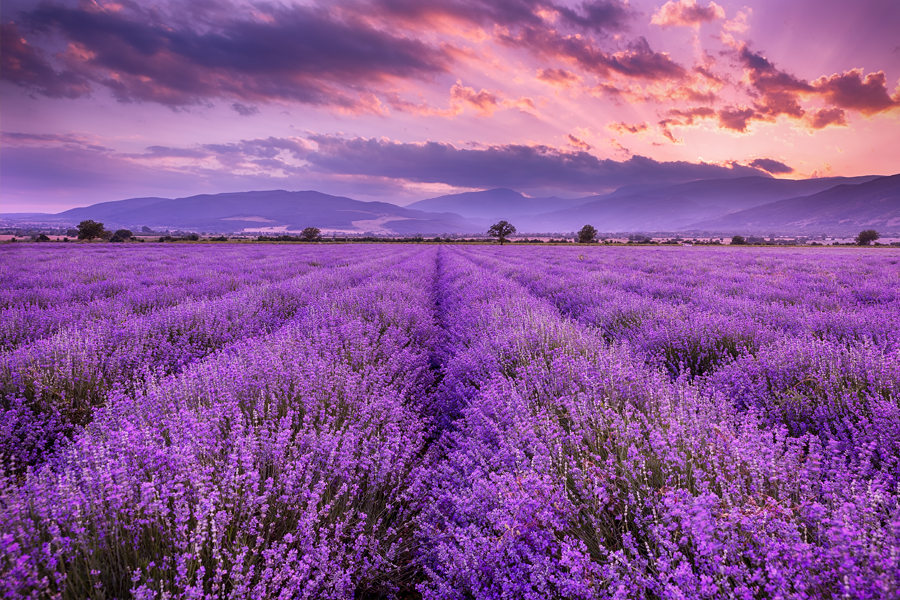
<point x="841" y="209"/>
<point x="747" y="192"/>
<point x="274" y="208"/>
<point x="671" y="207"/>
<point x="748" y="204"/>
<point x="109" y="210"/>
<point x="636" y="212"/>
<point x="500" y="203"/>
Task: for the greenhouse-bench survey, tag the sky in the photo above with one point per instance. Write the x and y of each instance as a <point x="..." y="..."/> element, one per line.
<point x="400" y="100"/>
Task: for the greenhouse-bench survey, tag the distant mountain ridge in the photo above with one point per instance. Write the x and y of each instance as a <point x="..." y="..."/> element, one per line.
<point x="681" y="206"/>
<point x="842" y="208"/>
<point x="271" y="210"/>
<point x="725" y="206"/>
<point x="499" y="203"/>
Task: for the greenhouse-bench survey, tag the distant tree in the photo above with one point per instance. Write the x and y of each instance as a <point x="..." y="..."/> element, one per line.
<point x="107" y="234"/>
<point x="116" y="238"/>
<point x="72" y="232"/>
<point x="587" y="234"/>
<point x="501" y="230"/>
<point x="311" y="233"/>
<point x="738" y="240"/>
<point x="43" y="238"/>
<point x="867" y="237"/>
<point x="192" y="237"/>
<point x="124" y="234"/>
<point x="90" y="230"/>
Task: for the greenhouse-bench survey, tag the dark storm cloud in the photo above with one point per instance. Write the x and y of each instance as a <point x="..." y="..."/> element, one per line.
<point x="304" y="54"/>
<point x="513" y="166"/>
<point x="772" y="166"/>
<point x="598" y="16"/>
<point x="26" y="65"/>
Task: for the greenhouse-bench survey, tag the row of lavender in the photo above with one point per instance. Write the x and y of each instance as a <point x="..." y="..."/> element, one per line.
<point x="279" y="465"/>
<point x="489" y="423"/>
<point x="52" y="383"/>
<point x="811" y="340"/>
<point x="579" y="469"/>
<point x="42" y="293"/>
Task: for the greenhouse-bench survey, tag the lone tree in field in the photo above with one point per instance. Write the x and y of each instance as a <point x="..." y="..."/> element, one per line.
<point x="738" y="240"/>
<point x="90" y="230"/>
<point x="123" y="233"/>
<point x="501" y="230"/>
<point x="867" y="237"/>
<point x="587" y="234"/>
<point x="310" y="233"/>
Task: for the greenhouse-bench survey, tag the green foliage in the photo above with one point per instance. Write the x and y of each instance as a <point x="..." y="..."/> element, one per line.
<point x="587" y="234"/>
<point x="867" y="237"/>
<point x="311" y="233"/>
<point x="501" y="230"/>
<point x="90" y="230"/>
<point x="124" y="234"/>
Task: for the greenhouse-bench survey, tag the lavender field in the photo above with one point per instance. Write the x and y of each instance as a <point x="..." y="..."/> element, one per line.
<point x="370" y="421"/>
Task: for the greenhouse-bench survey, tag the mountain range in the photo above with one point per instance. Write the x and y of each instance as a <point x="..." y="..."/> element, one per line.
<point x="835" y="205"/>
<point x="274" y="210"/>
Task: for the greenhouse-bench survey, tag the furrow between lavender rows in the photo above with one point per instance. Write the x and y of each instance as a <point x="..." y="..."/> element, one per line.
<point x="54" y="384"/>
<point x="89" y="289"/>
<point x="574" y="470"/>
<point x="287" y="467"/>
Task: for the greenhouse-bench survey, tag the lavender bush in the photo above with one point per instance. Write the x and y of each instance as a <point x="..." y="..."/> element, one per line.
<point x="449" y="422"/>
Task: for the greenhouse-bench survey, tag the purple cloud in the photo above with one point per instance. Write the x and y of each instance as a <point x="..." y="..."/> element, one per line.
<point x="598" y="15"/>
<point x="771" y="166"/>
<point x="511" y="165"/>
<point x="304" y="54"/>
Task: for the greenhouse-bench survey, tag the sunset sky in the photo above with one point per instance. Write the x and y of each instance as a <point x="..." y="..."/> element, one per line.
<point x="399" y="100"/>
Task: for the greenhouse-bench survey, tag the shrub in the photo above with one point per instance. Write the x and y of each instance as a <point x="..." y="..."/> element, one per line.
<point x="501" y="230"/>
<point x="90" y="230"/>
<point x="587" y="234"/>
<point x="867" y="237"/>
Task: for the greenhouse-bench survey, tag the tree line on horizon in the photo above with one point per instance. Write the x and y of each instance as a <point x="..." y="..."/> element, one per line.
<point x="89" y="230"/>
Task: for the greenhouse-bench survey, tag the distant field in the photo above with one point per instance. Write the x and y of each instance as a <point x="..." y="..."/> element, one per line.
<point x="362" y="421"/>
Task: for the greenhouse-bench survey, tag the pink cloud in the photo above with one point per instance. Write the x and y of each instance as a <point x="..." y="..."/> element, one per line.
<point x="686" y="13"/>
<point x="868" y="95"/>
